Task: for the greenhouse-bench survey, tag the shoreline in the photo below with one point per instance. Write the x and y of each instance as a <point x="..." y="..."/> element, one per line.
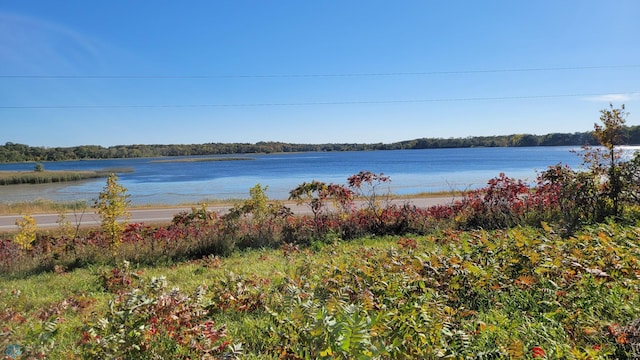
<point x="45" y="206"/>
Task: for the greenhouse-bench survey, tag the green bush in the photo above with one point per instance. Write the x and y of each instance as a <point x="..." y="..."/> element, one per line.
<point x="147" y="321"/>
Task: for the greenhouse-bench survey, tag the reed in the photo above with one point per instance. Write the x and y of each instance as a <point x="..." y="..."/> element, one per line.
<point x="45" y="177"/>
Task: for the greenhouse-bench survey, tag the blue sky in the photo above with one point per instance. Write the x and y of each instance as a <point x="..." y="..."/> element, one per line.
<point x="171" y="72"/>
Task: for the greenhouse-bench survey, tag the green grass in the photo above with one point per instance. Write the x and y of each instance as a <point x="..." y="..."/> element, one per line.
<point x="504" y="293"/>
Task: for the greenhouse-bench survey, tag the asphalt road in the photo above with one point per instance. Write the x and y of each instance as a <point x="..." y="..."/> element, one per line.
<point x="165" y="215"/>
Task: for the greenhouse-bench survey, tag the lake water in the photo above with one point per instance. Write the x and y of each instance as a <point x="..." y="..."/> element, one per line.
<point x="411" y="171"/>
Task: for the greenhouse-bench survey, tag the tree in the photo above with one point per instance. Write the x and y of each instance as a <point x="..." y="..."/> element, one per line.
<point x="111" y="205"/>
<point x="524" y="140"/>
<point x="610" y="136"/>
<point x="582" y="197"/>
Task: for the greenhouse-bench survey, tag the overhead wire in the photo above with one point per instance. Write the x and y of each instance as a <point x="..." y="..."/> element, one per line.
<point x="134" y="106"/>
<point x="373" y="74"/>
<point x="275" y="104"/>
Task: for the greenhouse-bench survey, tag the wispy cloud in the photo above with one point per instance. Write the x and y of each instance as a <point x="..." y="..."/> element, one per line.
<point x="32" y="45"/>
<point x="613" y="98"/>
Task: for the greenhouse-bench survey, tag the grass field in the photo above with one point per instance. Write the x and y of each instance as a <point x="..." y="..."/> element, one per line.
<point x="518" y="293"/>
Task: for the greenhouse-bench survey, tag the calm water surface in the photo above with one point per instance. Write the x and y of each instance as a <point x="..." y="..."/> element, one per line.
<point x="411" y="171"/>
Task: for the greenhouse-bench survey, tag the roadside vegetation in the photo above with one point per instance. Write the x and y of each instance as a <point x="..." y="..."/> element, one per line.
<point x="42" y="206"/>
<point x="507" y="271"/>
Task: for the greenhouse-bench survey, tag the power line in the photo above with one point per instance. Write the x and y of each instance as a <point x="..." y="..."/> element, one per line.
<point x="380" y="74"/>
<point x="150" y="106"/>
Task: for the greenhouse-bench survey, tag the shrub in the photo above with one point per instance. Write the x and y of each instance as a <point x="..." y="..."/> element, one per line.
<point x="27" y="232"/>
<point x="111" y="204"/>
<point x="501" y="204"/>
<point x="365" y="185"/>
<point x="148" y="321"/>
<point x="256" y="222"/>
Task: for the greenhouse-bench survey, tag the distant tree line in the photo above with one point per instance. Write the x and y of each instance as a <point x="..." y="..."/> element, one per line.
<point x="12" y="152"/>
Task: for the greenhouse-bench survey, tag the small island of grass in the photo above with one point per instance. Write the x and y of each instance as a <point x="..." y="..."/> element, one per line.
<point x="39" y="176"/>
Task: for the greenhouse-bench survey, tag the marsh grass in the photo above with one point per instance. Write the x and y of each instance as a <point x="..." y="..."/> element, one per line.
<point x="48" y="177"/>
<point x="45" y="177"/>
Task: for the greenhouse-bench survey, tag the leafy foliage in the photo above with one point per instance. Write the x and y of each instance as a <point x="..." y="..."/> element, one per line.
<point x="111" y="204"/>
<point x="316" y="194"/>
<point x="148" y="321"/>
<point x="506" y="293"/>
<point x="609" y="135"/>
<point x="256" y="221"/>
<point x="519" y="292"/>
<point x="27" y="232"/>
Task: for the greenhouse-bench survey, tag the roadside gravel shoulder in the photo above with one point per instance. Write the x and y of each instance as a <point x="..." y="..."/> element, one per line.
<point x="161" y="214"/>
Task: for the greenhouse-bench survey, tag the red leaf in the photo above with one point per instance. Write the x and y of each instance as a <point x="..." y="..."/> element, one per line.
<point x="538" y="352"/>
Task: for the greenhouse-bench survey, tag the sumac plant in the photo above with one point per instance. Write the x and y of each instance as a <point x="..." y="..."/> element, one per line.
<point x="316" y="194"/>
<point x="500" y="204"/>
<point x="366" y="186"/>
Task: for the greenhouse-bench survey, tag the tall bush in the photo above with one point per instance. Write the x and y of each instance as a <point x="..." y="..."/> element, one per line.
<point x="257" y="221"/>
<point x="111" y="205"/>
<point x="502" y="203"/>
<point x="366" y="186"/>
<point x="316" y="194"/>
<point x="27" y="232"/>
